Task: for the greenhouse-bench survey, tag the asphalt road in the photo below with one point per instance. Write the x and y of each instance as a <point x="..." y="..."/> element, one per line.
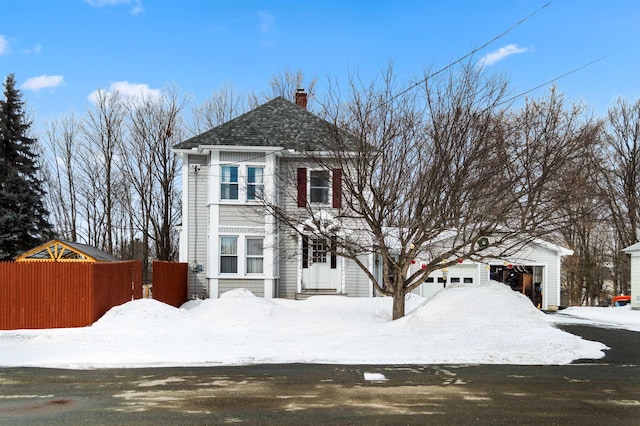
<point x="605" y="391"/>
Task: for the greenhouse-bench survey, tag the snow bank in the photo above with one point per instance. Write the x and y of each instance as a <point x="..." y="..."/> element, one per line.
<point x="496" y="325"/>
<point x="469" y="324"/>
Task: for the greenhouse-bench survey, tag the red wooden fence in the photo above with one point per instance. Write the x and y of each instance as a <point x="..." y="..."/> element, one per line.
<point x="61" y="294"/>
<point x="170" y="282"/>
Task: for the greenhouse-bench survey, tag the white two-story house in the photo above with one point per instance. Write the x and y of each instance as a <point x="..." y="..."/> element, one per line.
<point x="231" y="240"/>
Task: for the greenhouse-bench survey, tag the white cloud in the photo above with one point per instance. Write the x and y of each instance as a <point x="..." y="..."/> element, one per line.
<point x="266" y="22"/>
<point x="128" y="91"/>
<point x="4" y="45"/>
<point x="498" y="55"/>
<point x="34" y="50"/>
<point x="137" y="8"/>
<point x="102" y="3"/>
<point x="137" y="4"/>
<point x="42" y="82"/>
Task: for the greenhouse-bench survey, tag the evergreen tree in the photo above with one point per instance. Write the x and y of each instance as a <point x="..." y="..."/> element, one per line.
<point x="23" y="217"/>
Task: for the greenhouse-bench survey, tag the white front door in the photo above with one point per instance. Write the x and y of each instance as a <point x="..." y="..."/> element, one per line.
<point x="317" y="265"/>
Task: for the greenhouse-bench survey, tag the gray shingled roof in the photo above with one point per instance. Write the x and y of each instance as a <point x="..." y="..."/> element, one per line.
<point x="92" y="251"/>
<point x="277" y="123"/>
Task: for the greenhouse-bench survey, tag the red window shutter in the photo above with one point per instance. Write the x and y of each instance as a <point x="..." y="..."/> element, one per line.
<point x="337" y="188"/>
<point x="302" y="187"/>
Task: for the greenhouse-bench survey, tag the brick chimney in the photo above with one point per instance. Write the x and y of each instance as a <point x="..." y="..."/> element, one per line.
<point x="301" y="98"/>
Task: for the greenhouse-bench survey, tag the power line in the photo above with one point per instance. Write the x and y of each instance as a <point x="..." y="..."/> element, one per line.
<point x="462" y="58"/>
<point x="555" y="79"/>
<point x="451" y="64"/>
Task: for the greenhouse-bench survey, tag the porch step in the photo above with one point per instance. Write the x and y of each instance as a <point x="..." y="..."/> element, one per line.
<point x="318" y="292"/>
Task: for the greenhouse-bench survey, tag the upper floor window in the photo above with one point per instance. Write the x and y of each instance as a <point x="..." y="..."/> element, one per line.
<point x="229" y="183"/>
<point x="255" y="182"/>
<point x="319" y="188"/>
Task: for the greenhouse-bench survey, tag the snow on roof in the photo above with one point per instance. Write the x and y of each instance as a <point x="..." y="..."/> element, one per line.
<point x="633" y="248"/>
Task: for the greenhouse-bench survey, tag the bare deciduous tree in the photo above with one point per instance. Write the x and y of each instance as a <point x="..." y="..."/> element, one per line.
<point x="546" y="143"/>
<point x="115" y="174"/>
<point x="223" y="105"/>
<point x="103" y="130"/>
<point x="166" y="208"/>
<point x="152" y="168"/>
<point x="286" y="84"/>
<point x="587" y="232"/>
<point x="619" y="169"/>
<point x="426" y="175"/>
<point x="62" y="139"/>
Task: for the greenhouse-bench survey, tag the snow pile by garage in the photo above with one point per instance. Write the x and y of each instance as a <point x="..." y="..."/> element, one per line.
<point x="470" y="324"/>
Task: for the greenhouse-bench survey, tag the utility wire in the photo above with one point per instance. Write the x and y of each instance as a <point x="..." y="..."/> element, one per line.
<point x="555" y="79"/>
<point x="462" y="58"/>
<point x="451" y="64"/>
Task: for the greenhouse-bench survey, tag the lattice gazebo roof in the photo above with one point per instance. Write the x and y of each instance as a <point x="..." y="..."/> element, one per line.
<point x="65" y="251"/>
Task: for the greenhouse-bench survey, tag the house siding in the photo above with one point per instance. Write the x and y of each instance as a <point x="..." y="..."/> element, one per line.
<point x="198" y="222"/>
<point x="254" y="286"/>
<point x="356" y="281"/>
<point x="240" y="215"/>
<point x="288" y="186"/>
<point x="243" y="157"/>
<point x="288" y="254"/>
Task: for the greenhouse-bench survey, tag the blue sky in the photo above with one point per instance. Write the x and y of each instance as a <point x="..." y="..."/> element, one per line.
<point x="63" y="50"/>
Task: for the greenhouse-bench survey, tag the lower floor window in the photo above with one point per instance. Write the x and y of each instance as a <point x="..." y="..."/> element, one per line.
<point x="255" y="255"/>
<point x="228" y="255"/>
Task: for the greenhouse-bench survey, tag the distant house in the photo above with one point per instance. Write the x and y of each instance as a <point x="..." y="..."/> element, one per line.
<point x="65" y="251"/>
<point x="231" y="241"/>
<point x="634" y="252"/>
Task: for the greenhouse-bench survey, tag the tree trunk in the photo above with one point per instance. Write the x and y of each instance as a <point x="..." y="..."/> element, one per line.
<point x="398" y="303"/>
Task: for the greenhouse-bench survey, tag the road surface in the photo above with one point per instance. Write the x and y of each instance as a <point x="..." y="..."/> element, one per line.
<point x="605" y="391"/>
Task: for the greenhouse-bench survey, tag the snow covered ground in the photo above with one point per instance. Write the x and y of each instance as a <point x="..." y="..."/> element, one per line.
<point x="487" y="324"/>
<point x="619" y="317"/>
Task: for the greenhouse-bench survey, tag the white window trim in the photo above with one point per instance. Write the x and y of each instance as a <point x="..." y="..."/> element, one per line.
<point x="232" y="200"/>
<point x="243" y="176"/>
<point x="329" y="202"/>
<point x="241" y="255"/>
<point x="246" y="181"/>
<point x="247" y="256"/>
<point x="237" y="256"/>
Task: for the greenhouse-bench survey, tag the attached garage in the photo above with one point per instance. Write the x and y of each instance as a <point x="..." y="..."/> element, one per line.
<point x="533" y="271"/>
